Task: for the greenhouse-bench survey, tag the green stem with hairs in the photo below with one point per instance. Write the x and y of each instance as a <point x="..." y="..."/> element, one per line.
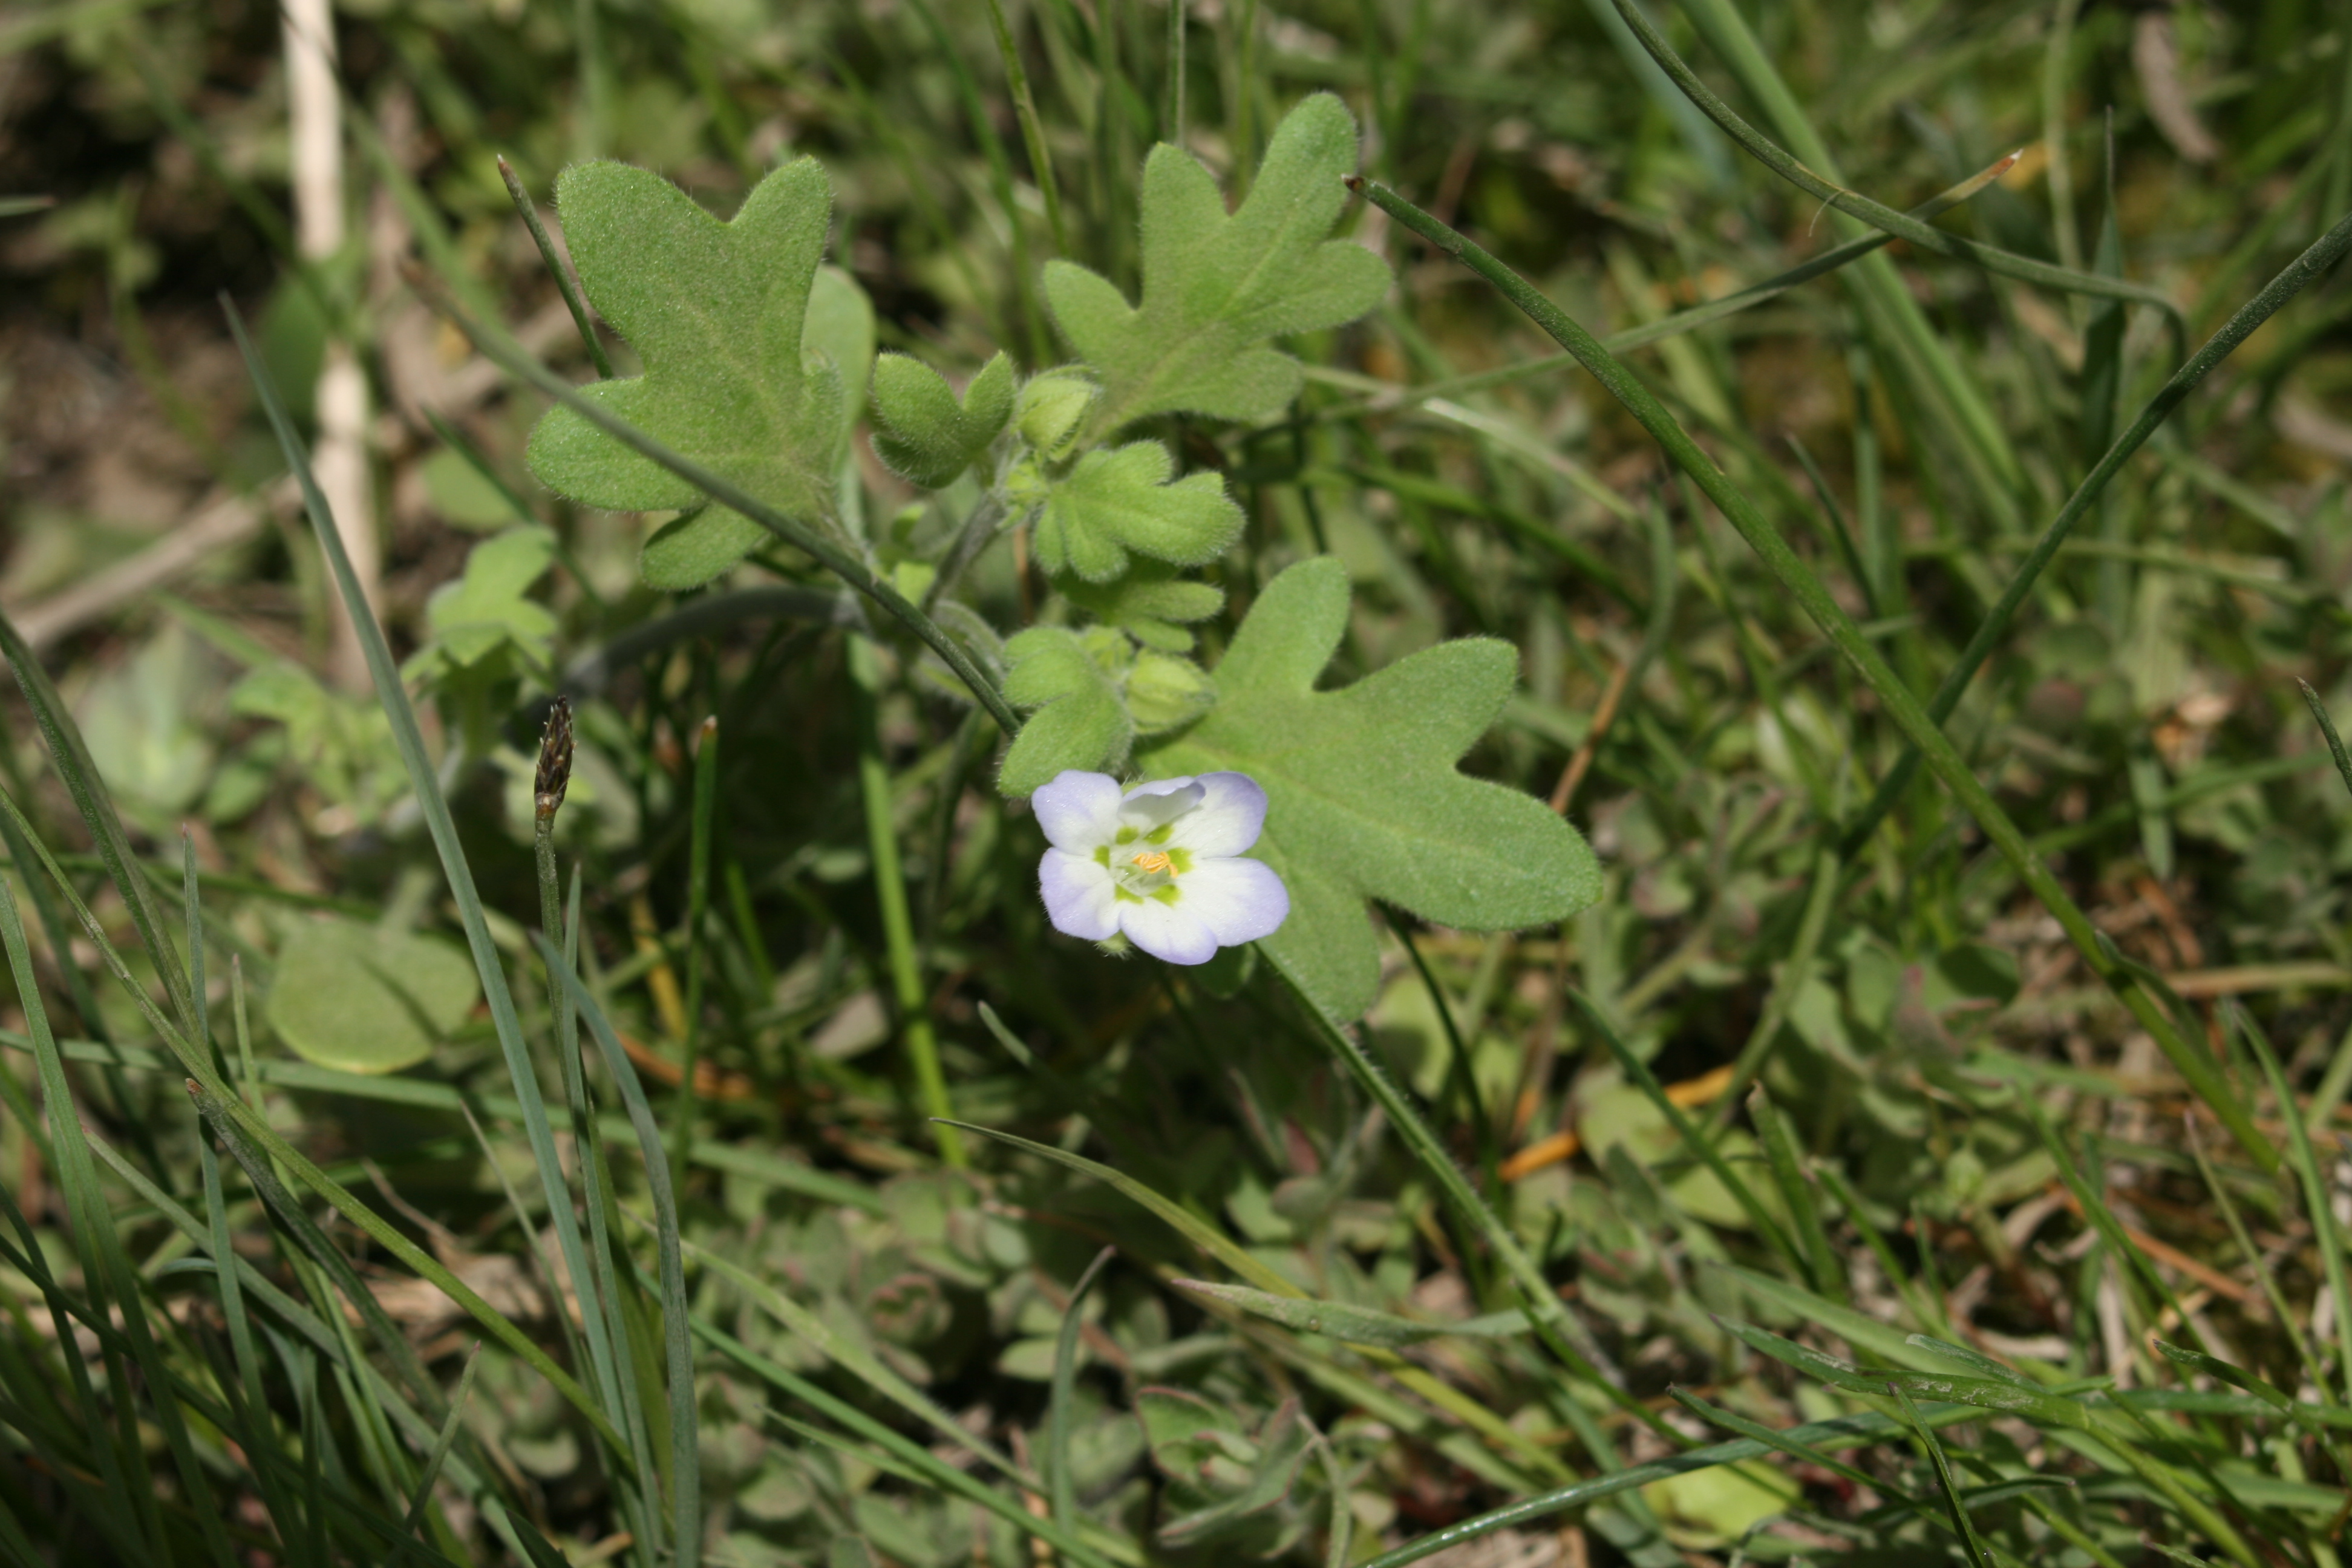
<point x="510" y="357"/>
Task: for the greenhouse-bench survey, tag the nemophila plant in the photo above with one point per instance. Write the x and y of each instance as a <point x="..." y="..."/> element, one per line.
<point x="757" y="362"/>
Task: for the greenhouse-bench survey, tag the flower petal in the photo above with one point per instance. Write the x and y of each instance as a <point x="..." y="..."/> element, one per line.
<point x="1238" y="900"/>
<point x="1227" y="821"/>
<point x="1154" y="805"/>
<point x="1080" y="898"/>
<point x="1169" y="931"/>
<point x="1077" y="810"/>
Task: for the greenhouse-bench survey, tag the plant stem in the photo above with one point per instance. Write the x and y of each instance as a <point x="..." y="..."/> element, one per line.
<point x="698" y="909"/>
<point x="2191" y="1061"/>
<point x="564" y="283"/>
<point x="511" y="357"/>
<point x="891" y="892"/>
<point x="1032" y="130"/>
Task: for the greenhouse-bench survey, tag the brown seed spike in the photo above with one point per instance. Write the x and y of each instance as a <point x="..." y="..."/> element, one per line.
<point x="554" y="760"/>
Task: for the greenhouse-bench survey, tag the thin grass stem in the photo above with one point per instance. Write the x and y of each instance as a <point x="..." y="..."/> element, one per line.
<point x="1790" y="571"/>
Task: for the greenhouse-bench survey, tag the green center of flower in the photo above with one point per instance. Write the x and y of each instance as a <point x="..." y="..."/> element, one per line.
<point x="1144" y="865"/>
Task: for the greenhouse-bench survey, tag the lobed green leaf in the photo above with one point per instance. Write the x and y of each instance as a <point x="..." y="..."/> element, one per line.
<point x="1215" y="287"/>
<point x="1121" y="500"/>
<point x="744" y="371"/>
<point x="1363" y="797"/>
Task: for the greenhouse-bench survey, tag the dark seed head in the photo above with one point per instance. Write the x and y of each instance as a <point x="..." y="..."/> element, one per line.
<point x="554" y="760"/>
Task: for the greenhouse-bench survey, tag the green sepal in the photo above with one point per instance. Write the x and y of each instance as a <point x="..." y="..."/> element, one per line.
<point x="1215" y="287"/>
<point x="1363" y="797"/>
<point x="744" y="370"/>
<point x="1167" y="691"/>
<point x="1052" y="409"/>
<point x="922" y="431"/>
<point x="1121" y="500"/>
<point x="1073" y="680"/>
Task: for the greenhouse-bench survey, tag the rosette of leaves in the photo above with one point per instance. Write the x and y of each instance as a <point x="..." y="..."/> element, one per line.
<point x="755" y="358"/>
<point x="1249" y="1490"/>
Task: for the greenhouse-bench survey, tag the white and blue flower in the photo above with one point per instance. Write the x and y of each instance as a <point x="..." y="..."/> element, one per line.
<point x="1161" y="864"/>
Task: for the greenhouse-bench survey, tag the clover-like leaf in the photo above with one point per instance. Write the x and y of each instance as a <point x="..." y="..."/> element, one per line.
<point x="923" y="433"/>
<point x="1115" y="501"/>
<point x="489" y="607"/>
<point x="1148" y="604"/>
<point x="1364" y="800"/>
<point x="739" y="373"/>
<point x="360" y="999"/>
<point x="1215" y="287"/>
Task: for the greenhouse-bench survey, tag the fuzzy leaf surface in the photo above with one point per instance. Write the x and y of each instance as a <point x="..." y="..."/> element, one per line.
<point x="1217" y="286"/>
<point x="1149" y="603"/>
<point x="1081" y="721"/>
<point x="1121" y="500"/>
<point x="922" y="431"/>
<point x="719" y="314"/>
<point x="1364" y="800"/>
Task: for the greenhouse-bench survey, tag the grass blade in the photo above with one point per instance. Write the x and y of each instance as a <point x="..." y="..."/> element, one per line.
<point x="2324" y="253"/>
<point x="1796" y="1196"/>
<point x="393" y="697"/>
<point x="2318" y="1195"/>
<point x="1961" y="1524"/>
<point x="81" y="777"/>
<point x="1245" y="1264"/>
<point x="891" y="892"/>
<point x="686" y="1499"/>
<point x="1943" y="759"/>
<point x="1032" y="130"/>
<point x="1546" y="1313"/>
<point x="1356" y="1325"/>
<point x="1697" y="1142"/>
<point x="565" y="284"/>
<point x="1715" y="17"/>
<point x="1842" y="1432"/>
<point x="442" y="1444"/>
<point x="698" y="912"/>
<point x="1059" y="1487"/>
<point x="103" y="1260"/>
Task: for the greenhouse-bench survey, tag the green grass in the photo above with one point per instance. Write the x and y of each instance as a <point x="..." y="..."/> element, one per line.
<point x="1949" y="1163"/>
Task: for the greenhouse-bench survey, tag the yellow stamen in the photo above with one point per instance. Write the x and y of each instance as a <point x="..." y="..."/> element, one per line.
<point x="1153" y="862"/>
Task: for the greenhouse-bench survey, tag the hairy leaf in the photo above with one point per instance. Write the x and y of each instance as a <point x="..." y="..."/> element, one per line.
<point x="1080" y="721"/>
<point x="1364" y="800"/>
<point x="1215" y="287"/>
<point x="740" y="371"/>
<point x="1121" y="500"/>
<point x="923" y="433"/>
<point x="1149" y="604"/>
<point x="1095" y="692"/>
